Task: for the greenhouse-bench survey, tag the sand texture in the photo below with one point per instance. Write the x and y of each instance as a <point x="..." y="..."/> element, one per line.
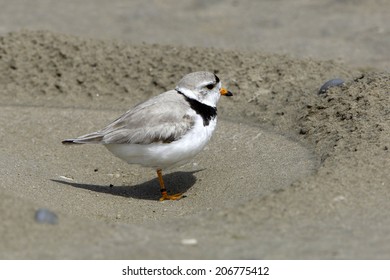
<point x="289" y="173"/>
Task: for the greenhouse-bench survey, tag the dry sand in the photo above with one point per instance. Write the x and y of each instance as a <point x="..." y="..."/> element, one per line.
<point x="288" y="173"/>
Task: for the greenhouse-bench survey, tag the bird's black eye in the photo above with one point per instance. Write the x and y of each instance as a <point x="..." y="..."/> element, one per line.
<point x="210" y="86"/>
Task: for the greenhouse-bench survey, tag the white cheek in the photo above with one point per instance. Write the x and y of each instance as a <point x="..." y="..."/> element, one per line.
<point x="212" y="98"/>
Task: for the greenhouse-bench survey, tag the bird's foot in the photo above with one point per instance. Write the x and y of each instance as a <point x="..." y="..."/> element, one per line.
<point x="176" y="196"/>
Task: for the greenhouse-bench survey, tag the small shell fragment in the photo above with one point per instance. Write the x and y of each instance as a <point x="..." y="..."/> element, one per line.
<point x="189" y="241"/>
<point x="66" y="178"/>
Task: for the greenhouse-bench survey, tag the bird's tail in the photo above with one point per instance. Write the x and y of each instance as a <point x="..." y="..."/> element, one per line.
<point x="92" y="138"/>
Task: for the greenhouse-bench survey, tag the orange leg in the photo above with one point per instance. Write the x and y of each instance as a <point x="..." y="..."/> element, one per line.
<point x="164" y="194"/>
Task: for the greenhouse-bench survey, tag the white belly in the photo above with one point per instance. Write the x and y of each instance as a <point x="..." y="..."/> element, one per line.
<point x="166" y="155"/>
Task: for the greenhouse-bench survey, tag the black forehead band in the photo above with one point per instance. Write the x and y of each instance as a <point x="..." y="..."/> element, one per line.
<point x="216" y="78"/>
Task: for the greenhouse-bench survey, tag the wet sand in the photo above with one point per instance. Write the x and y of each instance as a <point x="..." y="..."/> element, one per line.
<point x="289" y="174"/>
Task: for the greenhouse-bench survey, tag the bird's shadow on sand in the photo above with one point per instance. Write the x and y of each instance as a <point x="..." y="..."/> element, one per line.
<point x="176" y="182"/>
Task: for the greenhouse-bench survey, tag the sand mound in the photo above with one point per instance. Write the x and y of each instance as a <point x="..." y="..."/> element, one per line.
<point x="289" y="173"/>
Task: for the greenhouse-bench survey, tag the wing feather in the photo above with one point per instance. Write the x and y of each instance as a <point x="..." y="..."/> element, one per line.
<point x="163" y="118"/>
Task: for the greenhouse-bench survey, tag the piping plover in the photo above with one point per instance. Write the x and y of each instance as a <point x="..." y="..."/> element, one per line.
<point x="167" y="130"/>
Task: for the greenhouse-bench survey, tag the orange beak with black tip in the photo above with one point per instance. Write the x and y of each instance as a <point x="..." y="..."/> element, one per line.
<point x="224" y="91"/>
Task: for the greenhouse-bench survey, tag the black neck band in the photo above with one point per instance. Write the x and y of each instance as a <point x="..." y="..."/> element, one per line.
<point x="205" y="111"/>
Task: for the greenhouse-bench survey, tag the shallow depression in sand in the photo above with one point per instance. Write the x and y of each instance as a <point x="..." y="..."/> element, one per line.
<point x="241" y="162"/>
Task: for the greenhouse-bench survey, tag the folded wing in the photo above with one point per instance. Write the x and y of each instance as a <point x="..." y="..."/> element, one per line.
<point x="163" y="119"/>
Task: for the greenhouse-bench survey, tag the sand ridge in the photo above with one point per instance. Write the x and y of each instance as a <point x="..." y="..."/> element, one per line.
<point x="55" y="86"/>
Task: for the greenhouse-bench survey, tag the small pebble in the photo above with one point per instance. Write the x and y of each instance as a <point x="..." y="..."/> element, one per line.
<point x="45" y="216"/>
<point x="329" y="84"/>
<point x="190" y="241"/>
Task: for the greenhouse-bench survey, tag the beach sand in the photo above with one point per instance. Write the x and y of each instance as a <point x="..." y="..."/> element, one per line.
<point x="289" y="173"/>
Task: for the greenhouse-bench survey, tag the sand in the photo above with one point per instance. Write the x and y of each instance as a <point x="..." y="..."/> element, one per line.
<point x="289" y="173"/>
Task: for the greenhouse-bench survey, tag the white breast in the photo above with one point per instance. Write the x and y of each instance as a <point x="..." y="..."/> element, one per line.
<point x="166" y="155"/>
